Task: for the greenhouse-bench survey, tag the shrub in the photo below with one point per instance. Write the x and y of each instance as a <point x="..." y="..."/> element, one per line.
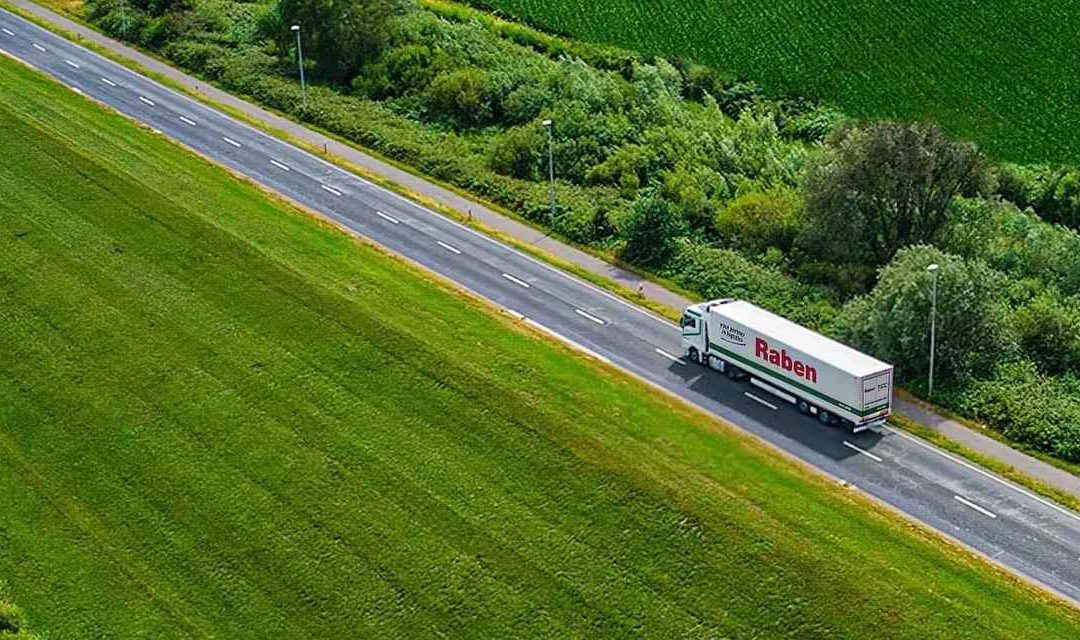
<point x="1053" y="193"/>
<point x="465" y="95"/>
<point x="1049" y="332"/>
<point x="11" y="619"/>
<point x="651" y="230"/>
<point x="761" y="219"/>
<point x="1038" y="410"/>
<point x="519" y="152"/>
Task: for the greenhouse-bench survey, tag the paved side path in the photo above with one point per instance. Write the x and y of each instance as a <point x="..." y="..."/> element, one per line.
<point x="966" y="436"/>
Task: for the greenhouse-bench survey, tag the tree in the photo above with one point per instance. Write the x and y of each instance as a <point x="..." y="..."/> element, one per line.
<point x="893" y="322"/>
<point x="339" y="36"/>
<point x="651" y="229"/>
<point x="882" y="188"/>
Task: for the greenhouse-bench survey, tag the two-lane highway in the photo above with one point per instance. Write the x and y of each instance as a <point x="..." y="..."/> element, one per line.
<point x="1021" y="531"/>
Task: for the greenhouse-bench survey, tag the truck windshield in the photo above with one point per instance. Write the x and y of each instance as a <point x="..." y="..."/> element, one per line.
<point x="689" y="321"/>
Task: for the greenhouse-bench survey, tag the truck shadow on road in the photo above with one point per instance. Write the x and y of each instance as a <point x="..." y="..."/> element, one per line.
<point x="732" y="401"/>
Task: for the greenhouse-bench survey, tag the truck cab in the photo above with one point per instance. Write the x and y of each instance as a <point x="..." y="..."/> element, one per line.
<point x="694" y="335"/>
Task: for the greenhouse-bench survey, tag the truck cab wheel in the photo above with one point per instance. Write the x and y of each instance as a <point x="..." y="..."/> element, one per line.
<point x="824" y="417"/>
<point x="692" y="353"/>
<point x="803" y="406"/>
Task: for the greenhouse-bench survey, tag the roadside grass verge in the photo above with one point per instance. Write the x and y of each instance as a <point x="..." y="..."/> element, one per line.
<point x="224" y="418"/>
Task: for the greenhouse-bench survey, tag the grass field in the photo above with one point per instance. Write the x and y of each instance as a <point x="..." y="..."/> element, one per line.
<point x="1005" y="74"/>
<point x="221" y="418"/>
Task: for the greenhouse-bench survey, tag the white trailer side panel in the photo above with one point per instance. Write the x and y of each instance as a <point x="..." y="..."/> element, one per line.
<point x="834" y="376"/>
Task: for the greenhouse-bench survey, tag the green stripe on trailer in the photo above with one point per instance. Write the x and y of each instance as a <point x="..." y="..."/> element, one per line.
<point x="772" y="376"/>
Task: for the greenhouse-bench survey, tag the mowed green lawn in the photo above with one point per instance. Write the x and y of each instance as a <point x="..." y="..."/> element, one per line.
<point x="1005" y="73"/>
<point x="220" y="417"/>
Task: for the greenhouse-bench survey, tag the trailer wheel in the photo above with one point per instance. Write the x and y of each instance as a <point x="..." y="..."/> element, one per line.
<point x="733" y="372"/>
<point x="803" y="406"/>
<point x="693" y="354"/>
<point x="824" y="417"/>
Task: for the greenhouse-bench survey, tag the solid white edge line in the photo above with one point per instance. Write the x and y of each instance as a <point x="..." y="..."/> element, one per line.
<point x="147" y="101"/>
<point x="70" y="63"/>
<point x="588" y="316"/>
<point x="518" y="281"/>
<point x="759" y="400"/>
<point x="39" y="47"/>
<point x="862" y="451"/>
<point x="1001" y="481"/>
<point x="568" y="341"/>
<point x="187" y="120"/>
<point x="674" y="358"/>
<point x="448" y="247"/>
<point x="231" y="141"/>
<point x="108" y="82"/>
<point x="330" y="189"/>
<point x="386" y="217"/>
<point x="974" y="506"/>
<point x="10" y="33"/>
<point x="280" y="165"/>
<point x="515" y="314"/>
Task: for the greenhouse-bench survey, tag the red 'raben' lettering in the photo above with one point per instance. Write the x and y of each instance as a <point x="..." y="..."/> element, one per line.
<point x="783" y="360"/>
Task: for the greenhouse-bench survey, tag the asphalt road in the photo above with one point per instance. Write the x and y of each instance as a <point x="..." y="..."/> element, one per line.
<point x="1021" y="531"/>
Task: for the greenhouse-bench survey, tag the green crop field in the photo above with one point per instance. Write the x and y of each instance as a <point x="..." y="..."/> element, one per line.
<point x="223" y="418"/>
<point x="1003" y="73"/>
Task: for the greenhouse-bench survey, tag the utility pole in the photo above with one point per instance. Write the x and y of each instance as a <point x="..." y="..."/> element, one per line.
<point x="300" y="60"/>
<point x="933" y="269"/>
<point x="551" y="166"/>
<point x="123" y="18"/>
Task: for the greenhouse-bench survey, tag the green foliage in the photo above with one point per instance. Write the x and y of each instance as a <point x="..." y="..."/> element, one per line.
<point x="465" y="95"/>
<point x="1053" y="193"/>
<point x="651" y="230"/>
<point x="339" y="36"/>
<point x="12" y="620"/>
<point x="884" y="187"/>
<point x="1038" y="410"/>
<point x="1049" y="331"/>
<point x="722" y="273"/>
<point x="519" y="152"/>
<point x="759" y="220"/>
<point x="974" y="331"/>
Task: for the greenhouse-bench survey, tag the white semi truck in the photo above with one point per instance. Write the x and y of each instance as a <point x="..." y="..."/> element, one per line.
<point x="818" y="375"/>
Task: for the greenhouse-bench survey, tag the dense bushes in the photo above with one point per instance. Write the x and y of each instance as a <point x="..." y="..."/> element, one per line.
<point x="13" y="623"/>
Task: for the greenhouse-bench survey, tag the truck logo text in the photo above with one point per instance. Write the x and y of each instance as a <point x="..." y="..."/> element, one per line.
<point x="732" y="335"/>
<point x="783" y="360"/>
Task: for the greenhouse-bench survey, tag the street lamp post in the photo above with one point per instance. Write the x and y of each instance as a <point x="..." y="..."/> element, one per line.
<point x="933" y="269"/>
<point x="300" y="59"/>
<point x="551" y="165"/>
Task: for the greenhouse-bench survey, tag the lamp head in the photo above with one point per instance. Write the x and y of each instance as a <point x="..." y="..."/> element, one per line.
<point x="932" y="268"/>
<point x="295" y="27"/>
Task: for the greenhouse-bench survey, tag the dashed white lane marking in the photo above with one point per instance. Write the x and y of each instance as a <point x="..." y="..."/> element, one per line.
<point x="862" y="451"/>
<point x="759" y="400"/>
<point x="71" y="64"/>
<point x="518" y="281"/>
<point x="9" y="32"/>
<point x="974" y="506"/>
<point x="280" y="165"/>
<point x="39" y="47"/>
<point x="674" y="358"/>
<point x="448" y="247"/>
<point x="231" y="141"/>
<point x="147" y="101"/>
<point x="589" y="316"/>
<point x="330" y="189"/>
<point x="558" y="336"/>
<point x="108" y="82"/>
<point x="187" y="120"/>
<point x="387" y="218"/>
<point x="1001" y="481"/>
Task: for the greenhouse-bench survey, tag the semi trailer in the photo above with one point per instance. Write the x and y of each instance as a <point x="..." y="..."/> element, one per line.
<point x="820" y="376"/>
